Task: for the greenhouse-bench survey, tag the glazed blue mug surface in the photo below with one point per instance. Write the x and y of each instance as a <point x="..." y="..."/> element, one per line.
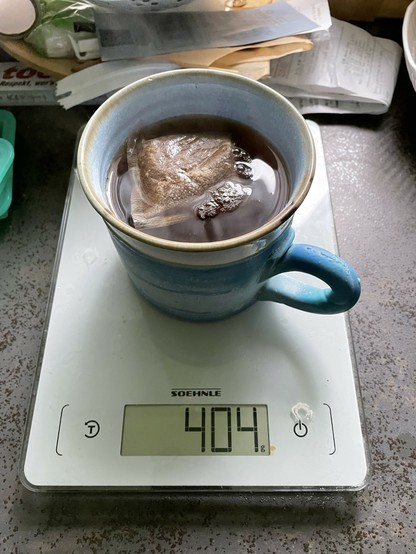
<point x="213" y="280"/>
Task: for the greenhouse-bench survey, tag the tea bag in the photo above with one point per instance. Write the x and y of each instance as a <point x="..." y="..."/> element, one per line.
<point x="171" y="172"/>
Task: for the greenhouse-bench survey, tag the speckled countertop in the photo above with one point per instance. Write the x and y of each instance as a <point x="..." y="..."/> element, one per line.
<point x="371" y="164"/>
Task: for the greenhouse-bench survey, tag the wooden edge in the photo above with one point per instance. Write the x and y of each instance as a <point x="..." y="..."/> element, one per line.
<point x="57" y="68"/>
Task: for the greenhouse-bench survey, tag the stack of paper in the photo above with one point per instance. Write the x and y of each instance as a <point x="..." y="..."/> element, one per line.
<point x="333" y="66"/>
<point x="348" y="72"/>
<point x="200" y="34"/>
<point x="207" y="38"/>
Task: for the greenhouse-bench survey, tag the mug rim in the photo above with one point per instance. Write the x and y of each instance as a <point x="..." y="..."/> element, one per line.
<point x="136" y="234"/>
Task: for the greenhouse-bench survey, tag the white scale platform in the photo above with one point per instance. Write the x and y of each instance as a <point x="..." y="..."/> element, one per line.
<point x="105" y="348"/>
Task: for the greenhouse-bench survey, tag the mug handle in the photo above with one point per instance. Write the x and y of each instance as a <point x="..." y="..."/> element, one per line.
<point x="343" y="289"/>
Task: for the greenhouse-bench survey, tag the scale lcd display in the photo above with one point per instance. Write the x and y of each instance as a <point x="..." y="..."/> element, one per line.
<point x="195" y="430"/>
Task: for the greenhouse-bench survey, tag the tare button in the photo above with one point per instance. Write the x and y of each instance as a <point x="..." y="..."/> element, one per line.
<point x="92" y="428"/>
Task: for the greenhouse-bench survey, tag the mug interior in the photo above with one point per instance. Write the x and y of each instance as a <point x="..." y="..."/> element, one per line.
<point x="192" y="93"/>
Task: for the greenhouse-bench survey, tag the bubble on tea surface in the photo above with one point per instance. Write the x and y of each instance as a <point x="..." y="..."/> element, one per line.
<point x="224" y="199"/>
<point x="241" y="155"/>
<point x="244" y="170"/>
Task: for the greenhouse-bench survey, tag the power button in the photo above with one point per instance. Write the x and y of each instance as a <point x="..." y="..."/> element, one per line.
<point x="300" y="429"/>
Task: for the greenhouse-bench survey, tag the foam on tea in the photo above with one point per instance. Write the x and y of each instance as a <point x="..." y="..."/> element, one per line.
<point x="197" y="179"/>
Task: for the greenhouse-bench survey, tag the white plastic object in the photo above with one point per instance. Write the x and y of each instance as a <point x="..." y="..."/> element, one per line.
<point x="85" y="49"/>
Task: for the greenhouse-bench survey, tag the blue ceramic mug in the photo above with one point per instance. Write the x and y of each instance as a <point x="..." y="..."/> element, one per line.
<point x="209" y="281"/>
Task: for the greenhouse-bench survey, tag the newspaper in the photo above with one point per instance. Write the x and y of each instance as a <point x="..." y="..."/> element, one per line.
<point x="350" y="72"/>
<point x="21" y="85"/>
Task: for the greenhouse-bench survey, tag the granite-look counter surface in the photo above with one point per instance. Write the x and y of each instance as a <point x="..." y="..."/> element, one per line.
<point x="371" y="164"/>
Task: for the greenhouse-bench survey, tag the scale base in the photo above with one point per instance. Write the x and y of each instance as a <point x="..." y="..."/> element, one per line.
<point x="105" y="348"/>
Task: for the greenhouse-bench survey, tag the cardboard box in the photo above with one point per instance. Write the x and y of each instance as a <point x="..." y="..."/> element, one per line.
<point x="367" y="10"/>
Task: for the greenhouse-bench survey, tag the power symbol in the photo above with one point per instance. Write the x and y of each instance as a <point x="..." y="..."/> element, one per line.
<point x="300" y="429"/>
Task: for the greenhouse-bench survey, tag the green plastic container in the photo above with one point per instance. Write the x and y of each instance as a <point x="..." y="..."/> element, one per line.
<point x="7" y="136"/>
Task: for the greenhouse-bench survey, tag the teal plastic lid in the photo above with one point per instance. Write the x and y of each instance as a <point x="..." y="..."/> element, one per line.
<point x="7" y="137"/>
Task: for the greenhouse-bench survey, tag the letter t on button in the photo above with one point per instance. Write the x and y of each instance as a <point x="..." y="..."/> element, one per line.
<point x="93" y="428"/>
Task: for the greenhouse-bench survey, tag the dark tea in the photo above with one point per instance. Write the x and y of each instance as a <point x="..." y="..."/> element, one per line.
<point x="226" y="180"/>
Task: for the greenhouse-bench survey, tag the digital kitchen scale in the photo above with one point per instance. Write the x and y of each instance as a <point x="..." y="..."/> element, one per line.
<point x="129" y="398"/>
